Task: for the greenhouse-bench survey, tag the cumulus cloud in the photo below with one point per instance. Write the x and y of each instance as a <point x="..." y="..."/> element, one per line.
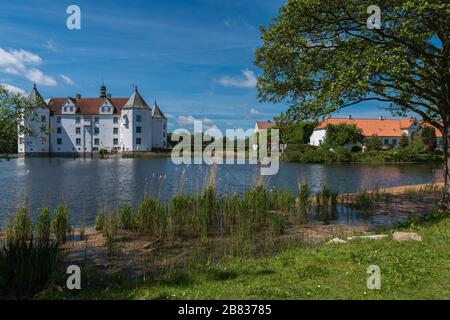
<point x="254" y="112"/>
<point x="67" y="79"/>
<point x="248" y="80"/>
<point x="189" y="121"/>
<point x="13" y="89"/>
<point x="23" y="63"/>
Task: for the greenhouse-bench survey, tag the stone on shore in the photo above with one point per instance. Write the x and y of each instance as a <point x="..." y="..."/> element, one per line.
<point x="406" y="236"/>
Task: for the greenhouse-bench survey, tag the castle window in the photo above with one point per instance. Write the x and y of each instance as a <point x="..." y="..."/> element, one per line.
<point x="138" y="129"/>
<point x="115" y="142"/>
<point x="78" y="142"/>
<point x="96" y="130"/>
<point x="138" y="118"/>
<point x="77" y="120"/>
<point x="96" y="120"/>
<point x="78" y="130"/>
<point x="97" y="142"/>
<point x="58" y="119"/>
<point x="116" y="131"/>
<point x="65" y="109"/>
<point x="43" y="118"/>
<point x="394" y="142"/>
<point x="71" y="109"/>
<point x="138" y="141"/>
<point x="59" y="130"/>
<point x="115" y="120"/>
<point x="59" y="141"/>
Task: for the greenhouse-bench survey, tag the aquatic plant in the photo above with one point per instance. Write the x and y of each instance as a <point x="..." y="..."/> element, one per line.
<point x="127" y="219"/>
<point x="43" y="225"/>
<point x="60" y="223"/>
<point x="100" y="220"/>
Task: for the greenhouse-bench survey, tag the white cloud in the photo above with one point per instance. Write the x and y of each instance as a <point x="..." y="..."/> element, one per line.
<point x="67" y="79"/>
<point x="13" y="89"/>
<point x="22" y="63"/>
<point x="50" y="45"/>
<point x="37" y="76"/>
<point x="254" y="112"/>
<point x="249" y="80"/>
<point x="189" y="121"/>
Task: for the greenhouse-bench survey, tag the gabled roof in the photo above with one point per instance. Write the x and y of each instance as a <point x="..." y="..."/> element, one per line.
<point x="265" y="124"/>
<point x="36" y="98"/>
<point x="87" y="106"/>
<point x="136" y="101"/>
<point x="157" y="113"/>
<point x="379" y="127"/>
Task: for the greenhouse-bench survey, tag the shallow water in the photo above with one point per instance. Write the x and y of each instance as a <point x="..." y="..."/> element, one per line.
<point x="88" y="185"/>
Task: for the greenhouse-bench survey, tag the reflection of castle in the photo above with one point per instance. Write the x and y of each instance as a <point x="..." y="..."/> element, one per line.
<point x="83" y="126"/>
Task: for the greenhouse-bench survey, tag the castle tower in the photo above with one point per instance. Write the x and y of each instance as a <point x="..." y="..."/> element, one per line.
<point x="35" y="128"/>
<point x="136" y="127"/>
<point x="159" y="127"/>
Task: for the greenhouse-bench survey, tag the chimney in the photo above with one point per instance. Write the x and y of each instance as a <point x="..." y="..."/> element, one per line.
<point x="381" y="118"/>
<point x="109" y="95"/>
<point x="78" y="96"/>
<point x="350" y="117"/>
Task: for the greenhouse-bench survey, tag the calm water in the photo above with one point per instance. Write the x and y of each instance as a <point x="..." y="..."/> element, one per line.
<point x="89" y="185"/>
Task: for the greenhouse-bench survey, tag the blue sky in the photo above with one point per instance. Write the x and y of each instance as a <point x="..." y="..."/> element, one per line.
<point x="194" y="57"/>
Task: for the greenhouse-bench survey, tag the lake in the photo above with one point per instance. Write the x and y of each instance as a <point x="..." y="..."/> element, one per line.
<point x="88" y="185"/>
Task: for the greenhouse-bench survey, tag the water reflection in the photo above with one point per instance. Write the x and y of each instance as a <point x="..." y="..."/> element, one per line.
<point x="89" y="185"/>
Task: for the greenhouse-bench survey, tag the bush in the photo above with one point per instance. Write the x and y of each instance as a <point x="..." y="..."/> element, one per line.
<point x="103" y="153"/>
<point x="60" y="224"/>
<point x="342" y="154"/>
<point x="276" y="224"/>
<point x="373" y="143"/>
<point x="356" y="149"/>
<point x="100" y="221"/>
<point x="126" y="217"/>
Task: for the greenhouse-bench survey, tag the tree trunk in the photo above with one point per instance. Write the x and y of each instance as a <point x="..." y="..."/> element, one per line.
<point x="445" y="201"/>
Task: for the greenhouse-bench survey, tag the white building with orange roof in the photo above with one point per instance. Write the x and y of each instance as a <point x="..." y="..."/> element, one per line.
<point x="390" y="131"/>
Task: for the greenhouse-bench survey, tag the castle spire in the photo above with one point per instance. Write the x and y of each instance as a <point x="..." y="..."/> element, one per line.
<point x="103" y="91"/>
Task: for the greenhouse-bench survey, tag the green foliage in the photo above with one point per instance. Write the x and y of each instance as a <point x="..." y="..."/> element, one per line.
<point x="151" y="217"/>
<point x="343" y="134"/>
<point x="126" y="217"/>
<point x="404" y="141"/>
<point x="342" y="154"/>
<point x="100" y="221"/>
<point x="294" y="132"/>
<point x="23" y="230"/>
<point x="276" y="224"/>
<point x="281" y="200"/>
<point x="103" y="153"/>
<point x="429" y="138"/>
<point x="60" y="223"/>
<point x="303" y="198"/>
<point x="373" y="143"/>
<point x="43" y="224"/>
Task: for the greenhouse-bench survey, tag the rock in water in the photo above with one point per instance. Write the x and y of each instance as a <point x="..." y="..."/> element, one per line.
<point x="406" y="236"/>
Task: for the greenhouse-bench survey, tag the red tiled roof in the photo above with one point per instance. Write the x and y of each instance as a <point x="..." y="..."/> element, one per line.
<point x="87" y="106"/>
<point x="265" y="124"/>
<point x="369" y="127"/>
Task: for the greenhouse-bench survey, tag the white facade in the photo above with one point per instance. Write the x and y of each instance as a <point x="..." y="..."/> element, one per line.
<point x="83" y="126"/>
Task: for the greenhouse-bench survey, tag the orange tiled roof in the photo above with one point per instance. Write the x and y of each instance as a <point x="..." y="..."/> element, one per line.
<point x="438" y="132"/>
<point x="265" y="124"/>
<point x="380" y="127"/>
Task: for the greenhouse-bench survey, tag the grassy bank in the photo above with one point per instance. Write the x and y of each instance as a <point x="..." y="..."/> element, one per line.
<point x="410" y="270"/>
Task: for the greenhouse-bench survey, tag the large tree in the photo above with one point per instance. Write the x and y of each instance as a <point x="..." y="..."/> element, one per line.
<point x="321" y="56"/>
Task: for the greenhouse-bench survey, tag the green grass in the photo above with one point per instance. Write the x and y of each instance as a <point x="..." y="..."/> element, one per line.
<point x="410" y="270"/>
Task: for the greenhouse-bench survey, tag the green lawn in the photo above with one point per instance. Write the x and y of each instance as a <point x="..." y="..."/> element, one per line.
<point x="410" y="270"/>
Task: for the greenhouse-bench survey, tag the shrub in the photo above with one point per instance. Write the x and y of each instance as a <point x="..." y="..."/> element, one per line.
<point x="23" y="230"/>
<point x="60" y="224"/>
<point x="356" y="149"/>
<point x="342" y="154"/>
<point x="43" y="224"/>
<point x="103" y="153"/>
<point x="100" y="221"/>
<point x="126" y="217"/>
<point x="373" y="143"/>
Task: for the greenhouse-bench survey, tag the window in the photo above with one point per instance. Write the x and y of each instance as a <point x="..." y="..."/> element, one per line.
<point x="58" y="119"/>
<point x="115" y="142"/>
<point x="96" y="142"/>
<point x="115" y="120"/>
<point x="59" y="141"/>
<point x="386" y="142"/>
<point x="96" y="130"/>
<point x="96" y="120"/>
<point x="165" y="126"/>
<point x="78" y="142"/>
<point x="43" y="118"/>
<point x="59" y="130"/>
<point x="65" y="109"/>
<point x="71" y="109"/>
<point x="164" y="134"/>
<point x="42" y="129"/>
<point x="138" y="141"/>
<point x="95" y="149"/>
<point x="138" y="129"/>
<point x="77" y="120"/>
<point x="78" y="130"/>
<point x="394" y="142"/>
<point x="116" y="131"/>
<point x="138" y="118"/>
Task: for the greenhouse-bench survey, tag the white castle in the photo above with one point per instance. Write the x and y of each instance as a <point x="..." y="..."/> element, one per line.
<point x="84" y="126"/>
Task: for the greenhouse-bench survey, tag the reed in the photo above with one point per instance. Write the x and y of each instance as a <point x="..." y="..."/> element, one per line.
<point x="60" y="223"/>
